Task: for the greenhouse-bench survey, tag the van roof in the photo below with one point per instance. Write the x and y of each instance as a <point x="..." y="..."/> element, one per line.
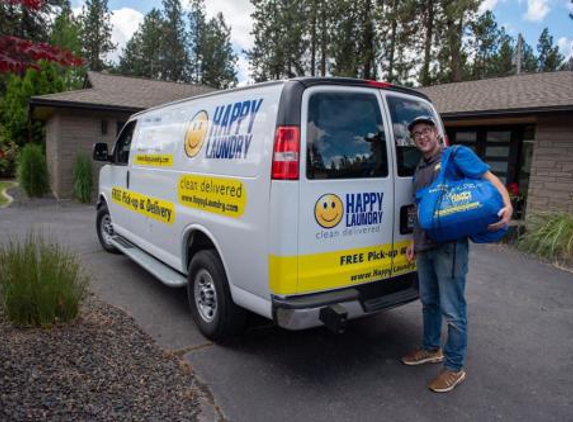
<point x="306" y="82"/>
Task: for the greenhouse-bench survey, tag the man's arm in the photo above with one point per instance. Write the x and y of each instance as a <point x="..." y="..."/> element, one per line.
<point x="507" y="211"/>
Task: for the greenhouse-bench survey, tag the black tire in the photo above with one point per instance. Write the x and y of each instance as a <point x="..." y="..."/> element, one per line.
<point x="210" y="301"/>
<point x="104" y="229"/>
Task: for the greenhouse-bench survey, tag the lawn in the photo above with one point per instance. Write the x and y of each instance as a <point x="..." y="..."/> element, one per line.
<point x="4" y="185"/>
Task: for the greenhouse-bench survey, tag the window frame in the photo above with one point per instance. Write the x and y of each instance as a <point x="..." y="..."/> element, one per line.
<point x="342" y="90"/>
<point x="130" y="125"/>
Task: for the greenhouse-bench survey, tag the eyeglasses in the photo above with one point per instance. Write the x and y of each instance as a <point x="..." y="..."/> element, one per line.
<point x="424" y="132"/>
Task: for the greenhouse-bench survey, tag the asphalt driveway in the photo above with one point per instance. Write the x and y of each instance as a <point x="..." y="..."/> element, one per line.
<point x="520" y="360"/>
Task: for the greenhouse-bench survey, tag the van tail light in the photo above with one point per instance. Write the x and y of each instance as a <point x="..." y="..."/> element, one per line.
<point x="286" y="153"/>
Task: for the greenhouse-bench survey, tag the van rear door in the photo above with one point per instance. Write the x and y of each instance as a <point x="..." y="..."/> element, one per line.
<point x="346" y="205"/>
<point x="402" y="109"/>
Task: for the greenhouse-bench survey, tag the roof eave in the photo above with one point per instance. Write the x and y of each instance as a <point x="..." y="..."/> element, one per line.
<point x="39" y="102"/>
<point x="505" y="112"/>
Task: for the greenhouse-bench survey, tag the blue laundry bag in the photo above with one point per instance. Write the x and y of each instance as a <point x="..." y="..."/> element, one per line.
<point x="452" y="208"/>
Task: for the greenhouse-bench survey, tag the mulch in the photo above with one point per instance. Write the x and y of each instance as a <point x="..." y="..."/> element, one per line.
<point x="100" y="367"/>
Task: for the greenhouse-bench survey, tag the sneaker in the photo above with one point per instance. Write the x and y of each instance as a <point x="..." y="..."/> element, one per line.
<point x="447" y="381"/>
<point x="420" y="356"/>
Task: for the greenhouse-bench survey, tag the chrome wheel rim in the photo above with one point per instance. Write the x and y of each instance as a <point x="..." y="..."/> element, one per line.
<point x="106" y="229"/>
<point x="205" y="295"/>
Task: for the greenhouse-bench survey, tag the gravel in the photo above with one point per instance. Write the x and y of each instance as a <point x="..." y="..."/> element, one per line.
<point x="100" y="367"/>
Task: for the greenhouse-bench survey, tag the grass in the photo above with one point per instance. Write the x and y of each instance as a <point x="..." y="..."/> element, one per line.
<point x="550" y="235"/>
<point x="4" y="185"/>
<point x="41" y="283"/>
<point x="82" y="176"/>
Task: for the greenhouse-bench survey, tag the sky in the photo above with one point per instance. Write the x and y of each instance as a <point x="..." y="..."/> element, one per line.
<point x="528" y="17"/>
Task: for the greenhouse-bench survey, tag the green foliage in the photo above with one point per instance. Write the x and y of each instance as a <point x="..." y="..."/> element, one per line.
<point x="14" y="107"/>
<point x="217" y="57"/>
<point x="143" y="54"/>
<point x="95" y="33"/>
<point x="33" y="171"/>
<point x="41" y="283"/>
<point x="8" y="155"/>
<point x="175" y="59"/>
<point x="549" y="57"/>
<point x="550" y="235"/>
<point x="82" y="177"/>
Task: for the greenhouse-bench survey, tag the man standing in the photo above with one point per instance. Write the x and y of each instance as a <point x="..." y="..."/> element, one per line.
<point x="442" y="267"/>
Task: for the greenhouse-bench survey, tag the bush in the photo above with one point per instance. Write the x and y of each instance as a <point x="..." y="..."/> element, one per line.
<point x="82" y="176"/>
<point x="40" y="282"/>
<point x="550" y="235"/>
<point x="8" y="154"/>
<point x="32" y="170"/>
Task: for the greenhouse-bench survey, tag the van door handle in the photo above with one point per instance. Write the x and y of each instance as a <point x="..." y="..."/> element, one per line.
<point x="127" y="179"/>
<point x="407" y="219"/>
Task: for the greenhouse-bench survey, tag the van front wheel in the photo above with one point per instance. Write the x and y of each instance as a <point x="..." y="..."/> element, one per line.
<point x="210" y="300"/>
<point x="104" y="229"/>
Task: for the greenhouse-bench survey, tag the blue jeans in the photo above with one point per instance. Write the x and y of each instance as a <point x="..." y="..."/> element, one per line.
<point x="442" y="276"/>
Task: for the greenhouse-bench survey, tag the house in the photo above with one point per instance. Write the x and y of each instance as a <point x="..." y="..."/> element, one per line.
<point x="522" y="126"/>
<point x="75" y="120"/>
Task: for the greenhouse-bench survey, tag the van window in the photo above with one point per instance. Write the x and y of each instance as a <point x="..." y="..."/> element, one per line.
<point x="345" y="137"/>
<point x="402" y="112"/>
<point x="123" y="144"/>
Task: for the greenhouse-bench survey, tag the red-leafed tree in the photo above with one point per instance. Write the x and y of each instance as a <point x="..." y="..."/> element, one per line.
<point x="18" y="53"/>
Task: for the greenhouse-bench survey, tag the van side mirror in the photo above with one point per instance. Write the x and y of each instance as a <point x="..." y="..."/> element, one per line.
<point x="100" y="152"/>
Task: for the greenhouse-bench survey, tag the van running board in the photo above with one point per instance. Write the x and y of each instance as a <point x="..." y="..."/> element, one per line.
<point x="165" y="274"/>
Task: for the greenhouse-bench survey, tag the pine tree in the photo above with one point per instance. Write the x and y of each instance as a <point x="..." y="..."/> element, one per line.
<point x="197" y="28"/>
<point x="142" y="55"/>
<point x="95" y="33"/>
<point x="529" y="60"/>
<point x="502" y="63"/>
<point x="217" y="56"/>
<point x="65" y="33"/>
<point x="175" y="61"/>
<point x="549" y="58"/>
<point x="486" y="42"/>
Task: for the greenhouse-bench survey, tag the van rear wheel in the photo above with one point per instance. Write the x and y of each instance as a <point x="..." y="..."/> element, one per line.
<point x="212" y="306"/>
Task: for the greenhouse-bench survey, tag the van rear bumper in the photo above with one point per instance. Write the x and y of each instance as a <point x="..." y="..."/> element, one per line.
<point x="300" y="312"/>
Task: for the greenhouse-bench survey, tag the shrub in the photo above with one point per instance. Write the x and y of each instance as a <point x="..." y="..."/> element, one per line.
<point x="32" y="170"/>
<point x="550" y="235"/>
<point x="82" y="176"/>
<point x="8" y="155"/>
<point x="40" y="282"/>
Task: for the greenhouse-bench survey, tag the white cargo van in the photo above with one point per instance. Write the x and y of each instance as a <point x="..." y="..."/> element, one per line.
<point x="289" y="199"/>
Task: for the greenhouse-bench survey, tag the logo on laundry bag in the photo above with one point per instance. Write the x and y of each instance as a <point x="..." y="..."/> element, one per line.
<point x="328" y="210"/>
<point x="196" y="133"/>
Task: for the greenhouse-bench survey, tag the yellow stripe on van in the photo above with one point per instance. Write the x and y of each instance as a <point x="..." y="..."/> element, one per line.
<point x="148" y="206"/>
<point x="154" y="160"/>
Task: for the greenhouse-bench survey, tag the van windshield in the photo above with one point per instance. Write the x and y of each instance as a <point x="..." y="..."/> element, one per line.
<point x="403" y="111"/>
<point x="345" y="137"/>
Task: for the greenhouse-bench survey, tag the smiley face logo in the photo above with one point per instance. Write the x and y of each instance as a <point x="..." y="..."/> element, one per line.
<point x="328" y="210"/>
<point x="196" y="133"/>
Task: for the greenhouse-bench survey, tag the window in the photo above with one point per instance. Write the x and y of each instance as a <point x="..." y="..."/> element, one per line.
<point x="402" y="112"/>
<point x="345" y="137"/>
<point x="123" y="144"/>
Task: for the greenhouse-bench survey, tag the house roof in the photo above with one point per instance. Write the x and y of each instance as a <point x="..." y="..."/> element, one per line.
<point x="113" y="92"/>
<point x="525" y="93"/>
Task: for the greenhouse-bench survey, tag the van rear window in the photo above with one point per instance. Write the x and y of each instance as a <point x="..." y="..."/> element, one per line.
<point x="402" y="112"/>
<point x="345" y="137"/>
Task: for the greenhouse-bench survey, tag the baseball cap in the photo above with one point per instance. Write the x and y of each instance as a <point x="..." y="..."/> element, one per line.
<point x="421" y="119"/>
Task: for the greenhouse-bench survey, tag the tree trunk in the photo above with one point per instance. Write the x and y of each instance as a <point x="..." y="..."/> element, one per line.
<point x="429" y="24"/>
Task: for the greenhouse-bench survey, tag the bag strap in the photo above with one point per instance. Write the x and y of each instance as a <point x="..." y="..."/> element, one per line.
<point x="447" y="160"/>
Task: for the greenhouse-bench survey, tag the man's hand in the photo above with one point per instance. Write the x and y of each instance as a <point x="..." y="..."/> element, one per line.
<point x="410" y="254"/>
<point x="505" y="214"/>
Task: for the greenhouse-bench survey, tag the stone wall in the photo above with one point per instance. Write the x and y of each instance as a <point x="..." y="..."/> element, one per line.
<point x="69" y="133"/>
<point x="551" y="180"/>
